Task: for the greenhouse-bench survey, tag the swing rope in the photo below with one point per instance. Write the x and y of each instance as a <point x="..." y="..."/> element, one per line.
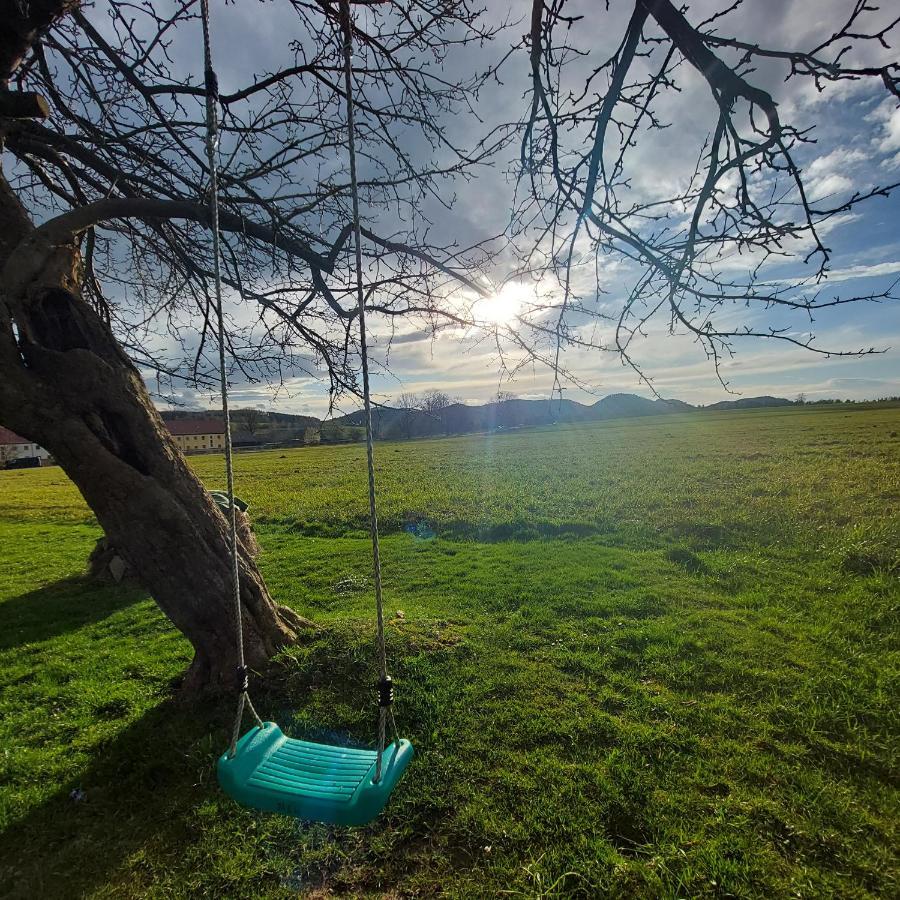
<point x="212" y="152"/>
<point x="385" y="685"/>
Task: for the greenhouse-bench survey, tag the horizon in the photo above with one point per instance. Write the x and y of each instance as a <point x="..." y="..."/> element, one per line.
<point x="858" y="134"/>
<point x="338" y="414"/>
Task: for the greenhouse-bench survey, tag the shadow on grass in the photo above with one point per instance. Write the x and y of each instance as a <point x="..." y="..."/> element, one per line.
<point x="63" y="606"/>
<point x="140" y="791"/>
<point x="146" y="803"/>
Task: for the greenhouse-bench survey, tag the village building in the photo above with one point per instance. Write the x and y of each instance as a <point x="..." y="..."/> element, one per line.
<point x="14" y="446"/>
<point x="197" y="435"/>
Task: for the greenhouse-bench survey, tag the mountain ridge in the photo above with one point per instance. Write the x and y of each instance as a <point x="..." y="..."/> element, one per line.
<point x="462" y="418"/>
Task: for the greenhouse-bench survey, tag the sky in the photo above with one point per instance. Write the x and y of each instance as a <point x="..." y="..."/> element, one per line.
<point x="857" y="131"/>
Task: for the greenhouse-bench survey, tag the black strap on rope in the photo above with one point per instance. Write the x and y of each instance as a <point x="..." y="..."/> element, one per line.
<point x="211" y="81"/>
<point x="385" y="691"/>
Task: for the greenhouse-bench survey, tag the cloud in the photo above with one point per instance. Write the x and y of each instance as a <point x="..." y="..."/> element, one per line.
<point x="855" y="132"/>
<point x="829" y="174"/>
<point x="889" y="118"/>
<point x="409" y="337"/>
<point x="864" y="271"/>
<point x="838" y="160"/>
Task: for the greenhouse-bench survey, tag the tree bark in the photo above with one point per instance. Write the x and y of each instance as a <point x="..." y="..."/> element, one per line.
<point x="66" y="384"/>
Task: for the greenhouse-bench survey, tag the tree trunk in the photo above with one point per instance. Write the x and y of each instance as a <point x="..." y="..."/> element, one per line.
<point x="66" y="384"/>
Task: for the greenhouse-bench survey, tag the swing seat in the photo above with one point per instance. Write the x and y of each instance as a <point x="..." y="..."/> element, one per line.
<point x="318" y="782"/>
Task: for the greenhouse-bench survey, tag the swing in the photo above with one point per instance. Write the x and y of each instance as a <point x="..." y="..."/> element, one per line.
<point x="264" y="769"/>
<point x="317" y="782"/>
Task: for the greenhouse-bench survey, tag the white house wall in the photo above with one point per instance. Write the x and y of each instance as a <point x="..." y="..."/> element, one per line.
<point x="21" y="451"/>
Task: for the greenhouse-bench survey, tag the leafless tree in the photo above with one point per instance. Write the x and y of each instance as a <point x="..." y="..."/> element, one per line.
<point x="250" y="420"/>
<point x="408" y="400"/>
<point x="409" y="403"/>
<point x="505" y="417"/>
<point x="434" y="401"/>
<point x="701" y="253"/>
<point x="105" y="250"/>
<point x="378" y="419"/>
<point x="436" y="404"/>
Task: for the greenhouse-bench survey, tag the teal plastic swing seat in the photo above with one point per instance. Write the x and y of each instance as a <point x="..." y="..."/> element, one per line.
<point x="318" y="782"/>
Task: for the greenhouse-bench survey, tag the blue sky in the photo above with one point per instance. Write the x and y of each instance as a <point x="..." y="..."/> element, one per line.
<point x="858" y="145"/>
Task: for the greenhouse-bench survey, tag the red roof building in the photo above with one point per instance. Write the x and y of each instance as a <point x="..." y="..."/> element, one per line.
<point x="197" y="435"/>
<point x="8" y="437"/>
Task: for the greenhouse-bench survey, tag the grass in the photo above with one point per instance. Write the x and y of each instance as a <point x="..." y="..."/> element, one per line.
<point x="650" y="658"/>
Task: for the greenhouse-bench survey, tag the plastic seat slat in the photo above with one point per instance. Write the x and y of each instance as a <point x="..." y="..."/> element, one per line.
<point x="324" y="762"/>
<point x="311" y="777"/>
<point x="278" y="786"/>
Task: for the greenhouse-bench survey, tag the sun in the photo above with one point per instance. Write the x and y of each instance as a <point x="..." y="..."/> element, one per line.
<point x="502" y="307"/>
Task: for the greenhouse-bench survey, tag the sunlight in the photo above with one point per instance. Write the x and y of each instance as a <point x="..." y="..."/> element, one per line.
<point x="504" y="306"/>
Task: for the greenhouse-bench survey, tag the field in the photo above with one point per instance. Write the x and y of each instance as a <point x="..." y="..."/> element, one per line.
<point x="645" y="658"/>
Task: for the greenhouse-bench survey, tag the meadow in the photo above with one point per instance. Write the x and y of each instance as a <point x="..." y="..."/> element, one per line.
<point x="641" y="658"/>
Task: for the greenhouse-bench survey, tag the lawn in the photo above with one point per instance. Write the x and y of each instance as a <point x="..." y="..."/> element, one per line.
<point x="645" y="658"/>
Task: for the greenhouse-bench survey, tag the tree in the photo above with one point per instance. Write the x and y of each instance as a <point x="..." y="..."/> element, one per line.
<point x="433" y="401"/>
<point x="377" y="423"/>
<point x="104" y="247"/>
<point x="741" y="197"/>
<point x="410" y="404"/>
<point x="505" y="417"/>
<point x="250" y="420"/>
<point x="436" y="403"/>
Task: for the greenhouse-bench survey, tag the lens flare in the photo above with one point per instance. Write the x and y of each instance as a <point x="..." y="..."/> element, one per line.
<point x="505" y="305"/>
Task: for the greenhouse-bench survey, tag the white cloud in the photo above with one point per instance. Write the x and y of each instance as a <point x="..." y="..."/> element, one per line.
<point x="820" y="188"/>
<point x="838" y="160"/>
<point x="864" y="271"/>
<point x="891" y="137"/>
<point x="886" y="116"/>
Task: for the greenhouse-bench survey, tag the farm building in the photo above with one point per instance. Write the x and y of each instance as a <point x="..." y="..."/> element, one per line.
<point x="197" y="435"/>
<point x="14" y="446"/>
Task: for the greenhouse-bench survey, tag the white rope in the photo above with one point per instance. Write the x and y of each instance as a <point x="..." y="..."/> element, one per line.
<point x="212" y="151"/>
<point x="212" y="143"/>
<point x="383" y="710"/>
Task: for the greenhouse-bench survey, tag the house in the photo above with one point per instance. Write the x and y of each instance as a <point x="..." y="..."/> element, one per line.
<point x="197" y="435"/>
<point x="13" y="446"/>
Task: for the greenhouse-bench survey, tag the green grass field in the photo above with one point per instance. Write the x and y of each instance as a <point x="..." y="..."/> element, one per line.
<point x="645" y="658"/>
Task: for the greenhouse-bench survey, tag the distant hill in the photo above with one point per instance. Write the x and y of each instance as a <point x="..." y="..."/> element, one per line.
<point x="239" y="415"/>
<point x="254" y="427"/>
<point x="460" y="418"/>
<point x="677" y="405"/>
<point x="169" y="415"/>
<point x="619" y="406"/>
<point x="750" y="402"/>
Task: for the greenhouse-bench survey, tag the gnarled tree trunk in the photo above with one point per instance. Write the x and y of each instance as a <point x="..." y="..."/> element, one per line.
<point x="67" y="384"/>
